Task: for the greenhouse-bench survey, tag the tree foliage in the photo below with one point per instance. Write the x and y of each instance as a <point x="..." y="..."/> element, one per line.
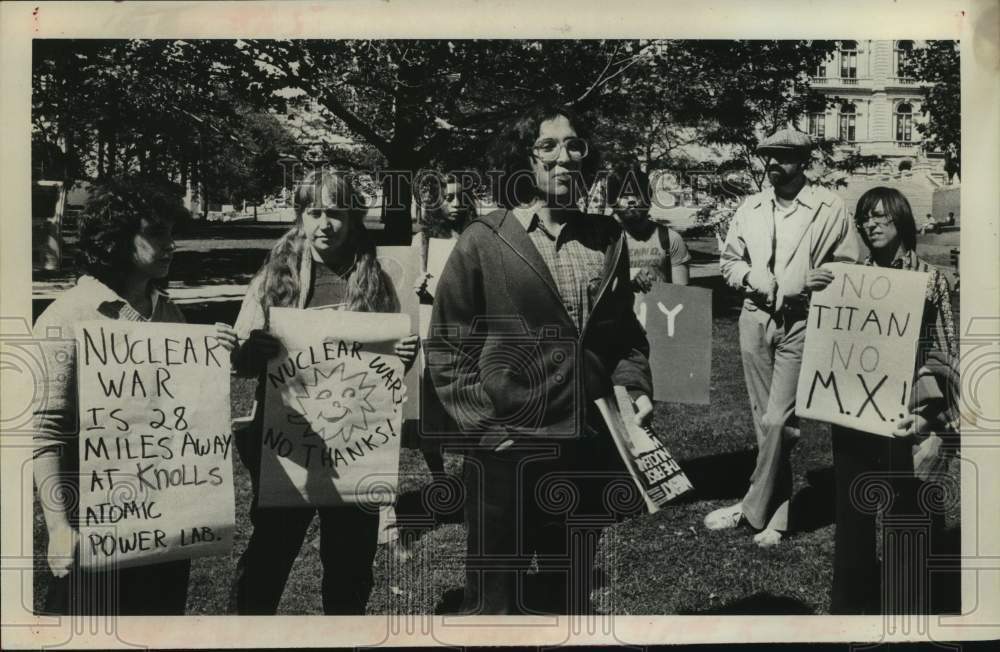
<point x="938" y="64"/>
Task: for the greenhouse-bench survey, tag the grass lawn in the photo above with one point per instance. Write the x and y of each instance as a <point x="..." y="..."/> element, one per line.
<point x="655" y="564"/>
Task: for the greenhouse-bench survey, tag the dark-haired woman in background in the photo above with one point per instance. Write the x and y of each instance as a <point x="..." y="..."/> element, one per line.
<point x="863" y="460"/>
<point x="326" y="260"/>
<point x="125" y="247"/>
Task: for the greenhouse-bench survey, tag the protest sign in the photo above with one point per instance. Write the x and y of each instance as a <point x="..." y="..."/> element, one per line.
<point x="332" y="409"/>
<point x="678" y="323"/>
<point x="438" y="251"/>
<point x="403" y="266"/>
<point x="156" y="474"/>
<point x="860" y="348"/>
<point x="653" y="469"/>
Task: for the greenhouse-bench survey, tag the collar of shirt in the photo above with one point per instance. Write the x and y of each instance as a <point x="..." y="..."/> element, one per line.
<point x="529" y="219"/>
<point x="905" y="259"/>
<point x="806" y="197"/>
<point x="102" y="295"/>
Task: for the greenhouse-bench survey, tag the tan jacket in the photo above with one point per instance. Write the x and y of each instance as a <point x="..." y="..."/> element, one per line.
<point x="827" y="236"/>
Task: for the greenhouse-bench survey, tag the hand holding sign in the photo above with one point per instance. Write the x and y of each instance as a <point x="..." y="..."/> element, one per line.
<point x="156" y="477"/>
<point x="333" y="409"/>
<point x="860" y="349"/>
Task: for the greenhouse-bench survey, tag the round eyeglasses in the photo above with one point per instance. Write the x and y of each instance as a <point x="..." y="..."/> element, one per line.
<point x="548" y="149"/>
<point x="875" y="219"/>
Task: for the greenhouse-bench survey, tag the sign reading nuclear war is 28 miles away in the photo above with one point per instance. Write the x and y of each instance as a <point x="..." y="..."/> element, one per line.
<point x="860" y="349"/>
<point x="156" y="471"/>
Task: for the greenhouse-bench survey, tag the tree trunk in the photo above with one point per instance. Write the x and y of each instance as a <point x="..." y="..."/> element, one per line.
<point x="397" y="198"/>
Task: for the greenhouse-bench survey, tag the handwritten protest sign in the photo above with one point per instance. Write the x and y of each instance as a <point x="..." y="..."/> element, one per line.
<point x="860" y="348"/>
<point x="156" y="476"/>
<point x="678" y="323"/>
<point x="652" y="467"/>
<point x="332" y="408"/>
<point x="403" y="265"/>
<point x="438" y="251"/>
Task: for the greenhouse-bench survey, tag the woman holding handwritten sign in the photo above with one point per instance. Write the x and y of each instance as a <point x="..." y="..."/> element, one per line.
<point x="326" y="260"/>
<point x="865" y="463"/>
<point x="125" y="248"/>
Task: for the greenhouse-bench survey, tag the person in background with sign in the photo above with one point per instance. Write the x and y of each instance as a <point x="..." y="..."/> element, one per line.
<point x="888" y="229"/>
<point x="445" y="215"/>
<point x="776" y="244"/>
<point x="125" y="249"/>
<point x="326" y="260"/>
<point x="543" y="275"/>
<point x="662" y="258"/>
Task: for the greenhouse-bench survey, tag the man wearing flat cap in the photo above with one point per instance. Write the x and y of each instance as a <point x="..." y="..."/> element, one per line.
<point x="776" y="244"/>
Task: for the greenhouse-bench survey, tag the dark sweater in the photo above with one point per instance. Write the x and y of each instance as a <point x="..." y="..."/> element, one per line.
<point x="506" y="358"/>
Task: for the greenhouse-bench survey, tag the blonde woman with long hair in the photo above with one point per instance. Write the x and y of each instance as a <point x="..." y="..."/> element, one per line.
<point x="326" y="260"/>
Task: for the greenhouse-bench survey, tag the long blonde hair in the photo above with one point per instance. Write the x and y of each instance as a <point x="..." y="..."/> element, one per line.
<point x="369" y="288"/>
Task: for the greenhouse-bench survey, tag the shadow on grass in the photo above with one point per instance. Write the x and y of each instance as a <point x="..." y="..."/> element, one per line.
<point x="813" y="507"/>
<point x="718" y="477"/>
<point x="758" y="604"/>
<point x="421" y="510"/>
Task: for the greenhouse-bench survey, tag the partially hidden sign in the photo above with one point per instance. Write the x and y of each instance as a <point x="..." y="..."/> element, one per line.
<point x="156" y="471"/>
<point x="402" y="265"/>
<point x="860" y="348"/>
<point x="654" y="470"/>
<point x="438" y="252"/>
<point x="678" y="324"/>
<point x="332" y="409"/>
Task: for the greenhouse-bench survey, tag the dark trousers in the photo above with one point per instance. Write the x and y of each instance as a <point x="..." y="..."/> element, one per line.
<point x="875" y="481"/>
<point x="541" y="501"/>
<point x="155" y="590"/>
<point x="348" y="541"/>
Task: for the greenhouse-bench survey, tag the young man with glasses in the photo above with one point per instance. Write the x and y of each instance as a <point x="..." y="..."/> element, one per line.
<point x="776" y="244"/>
<point x="532" y="322"/>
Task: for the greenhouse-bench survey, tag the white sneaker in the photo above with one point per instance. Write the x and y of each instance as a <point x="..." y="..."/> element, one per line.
<point x="725" y="518"/>
<point x="768" y="538"/>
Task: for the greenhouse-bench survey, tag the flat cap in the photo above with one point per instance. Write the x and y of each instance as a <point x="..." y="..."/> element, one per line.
<point x="785" y="140"/>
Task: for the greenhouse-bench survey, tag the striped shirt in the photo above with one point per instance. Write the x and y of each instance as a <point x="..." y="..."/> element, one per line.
<point x="574" y="254"/>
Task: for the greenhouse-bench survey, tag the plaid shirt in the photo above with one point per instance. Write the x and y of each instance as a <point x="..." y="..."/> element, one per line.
<point x="574" y="255"/>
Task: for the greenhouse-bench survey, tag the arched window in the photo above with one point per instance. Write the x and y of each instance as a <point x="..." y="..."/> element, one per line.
<point x="848" y="59"/>
<point x="848" y="116"/>
<point x="900" y="54"/>
<point x="904" y="122"/>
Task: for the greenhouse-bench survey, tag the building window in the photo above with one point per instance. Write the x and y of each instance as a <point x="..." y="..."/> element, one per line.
<point x="900" y="54"/>
<point x="817" y="125"/>
<point x="848" y="60"/>
<point x="904" y="123"/>
<point x="847" y="122"/>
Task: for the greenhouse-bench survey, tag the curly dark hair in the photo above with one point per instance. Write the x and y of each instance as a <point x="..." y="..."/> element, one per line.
<point x="434" y="219"/>
<point x="511" y="179"/>
<point x="113" y="216"/>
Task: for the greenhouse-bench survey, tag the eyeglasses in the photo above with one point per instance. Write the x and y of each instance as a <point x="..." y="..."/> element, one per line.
<point x="548" y="149"/>
<point x="876" y="219"/>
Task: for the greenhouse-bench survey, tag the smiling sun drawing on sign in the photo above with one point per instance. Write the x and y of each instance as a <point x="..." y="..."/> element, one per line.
<point x="333" y="404"/>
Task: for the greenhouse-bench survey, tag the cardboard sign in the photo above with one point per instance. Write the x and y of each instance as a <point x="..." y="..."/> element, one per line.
<point x="332" y="409"/>
<point x="652" y="467"/>
<point x="860" y="348"/>
<point x="438" y="251"/>
<point x="156" y="471"/>
<point x="402" y="264"/>
<point x="678" y="323"/>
